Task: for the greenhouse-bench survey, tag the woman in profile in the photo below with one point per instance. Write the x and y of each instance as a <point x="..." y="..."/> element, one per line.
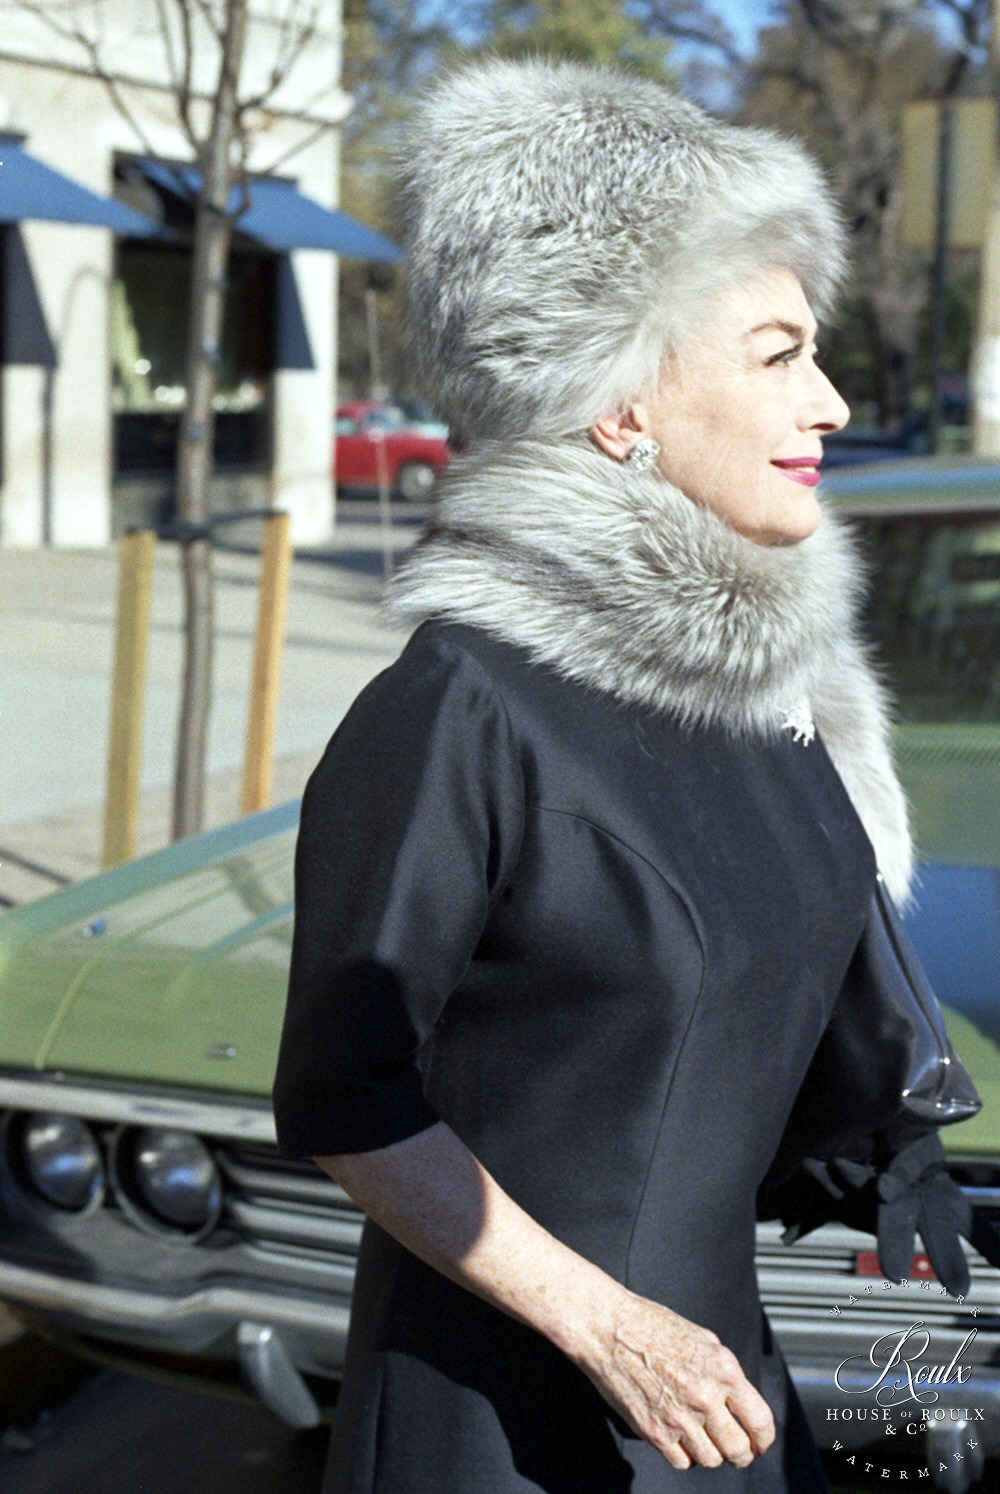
<point x="580" y="876"/>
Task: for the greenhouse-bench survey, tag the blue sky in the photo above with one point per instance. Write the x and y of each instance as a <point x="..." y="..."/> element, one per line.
<point x="743" y="17"/>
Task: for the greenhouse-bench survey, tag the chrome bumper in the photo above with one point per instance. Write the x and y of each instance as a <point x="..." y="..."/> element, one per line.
<point x="112" y="1308"/>
<point x="267" y="1327"/>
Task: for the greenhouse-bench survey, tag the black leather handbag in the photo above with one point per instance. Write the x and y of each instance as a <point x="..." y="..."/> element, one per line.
<point x="861" y="1143"/>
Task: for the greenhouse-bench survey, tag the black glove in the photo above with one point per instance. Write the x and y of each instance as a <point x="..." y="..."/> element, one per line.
<point x="911" y="1192"/>
<point x="915" y="1192"/>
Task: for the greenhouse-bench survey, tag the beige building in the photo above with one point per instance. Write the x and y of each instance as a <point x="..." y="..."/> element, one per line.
<point x="96" y="235"/>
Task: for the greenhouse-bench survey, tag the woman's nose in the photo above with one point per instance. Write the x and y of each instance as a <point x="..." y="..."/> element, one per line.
<point x="825" y="409"/>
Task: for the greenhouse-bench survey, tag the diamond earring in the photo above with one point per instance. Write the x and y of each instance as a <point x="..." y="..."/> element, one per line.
<point x="643" y="454"/>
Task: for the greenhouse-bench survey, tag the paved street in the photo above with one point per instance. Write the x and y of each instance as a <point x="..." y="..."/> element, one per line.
<point x="118" y="1434"/>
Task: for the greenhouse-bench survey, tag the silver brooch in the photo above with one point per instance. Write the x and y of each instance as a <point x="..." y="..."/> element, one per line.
<point x="798" y="720"/>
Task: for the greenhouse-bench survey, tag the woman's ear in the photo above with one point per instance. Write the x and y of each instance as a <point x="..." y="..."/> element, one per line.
<point x="617" y="434"/>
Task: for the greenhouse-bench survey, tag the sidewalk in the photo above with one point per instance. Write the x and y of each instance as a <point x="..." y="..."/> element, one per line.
<point x="56" y="642"/>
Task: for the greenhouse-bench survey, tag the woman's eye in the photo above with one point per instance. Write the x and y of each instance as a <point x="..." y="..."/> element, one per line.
<point x="784" y="358"/>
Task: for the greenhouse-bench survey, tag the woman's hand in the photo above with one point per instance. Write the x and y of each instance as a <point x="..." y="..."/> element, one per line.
<point x="678" y="1386"/>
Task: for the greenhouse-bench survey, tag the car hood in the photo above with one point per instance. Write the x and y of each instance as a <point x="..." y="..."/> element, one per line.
<point x="171" y="970"/>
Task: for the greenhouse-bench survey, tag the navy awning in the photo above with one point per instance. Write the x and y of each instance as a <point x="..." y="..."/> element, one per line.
<point x="30" y="189"/>
<point x="282" y="218"/>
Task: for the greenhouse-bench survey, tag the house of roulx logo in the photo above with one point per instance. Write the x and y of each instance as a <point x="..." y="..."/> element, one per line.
<point x="901" y="1388"/>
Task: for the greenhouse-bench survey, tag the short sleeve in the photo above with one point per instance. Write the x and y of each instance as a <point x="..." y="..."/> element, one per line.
<point x="410" y="824"/>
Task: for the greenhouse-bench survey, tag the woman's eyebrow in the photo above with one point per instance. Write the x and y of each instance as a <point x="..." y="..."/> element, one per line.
<point x="792" y="328"/>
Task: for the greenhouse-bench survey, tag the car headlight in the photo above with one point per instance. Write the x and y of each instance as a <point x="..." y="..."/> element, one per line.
<point x="61" y="1160"/>
<point x="170" y="1177"/>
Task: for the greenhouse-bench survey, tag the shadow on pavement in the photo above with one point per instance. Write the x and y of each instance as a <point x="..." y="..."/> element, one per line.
<point x="118" y="1434"/>
<point x="35" y="1375"/>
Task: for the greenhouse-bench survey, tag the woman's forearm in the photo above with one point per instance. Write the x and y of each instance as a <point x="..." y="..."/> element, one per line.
<point x="672" y="1380"/>
<point x="432" y="1195"/>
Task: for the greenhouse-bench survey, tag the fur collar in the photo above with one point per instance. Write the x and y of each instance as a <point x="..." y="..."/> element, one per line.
<point x="621" y="583"/>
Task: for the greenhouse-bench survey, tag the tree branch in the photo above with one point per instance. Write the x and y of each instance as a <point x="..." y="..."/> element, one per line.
<point x="972" y="21"/>
<point x="790" y="73"/>
<point x="204" y="9"/>
<point x="825" y="20"/>
<point x="969" y="15"/>
<point x="283" y="67"/>
<point x="680" y="32"/>
<point x="45" y="13"/>
<point x="185" y="99"/>
<point x="168" y="46"/>
<point x="179" y="68"/>
<point x="662" y="19"/>
<point x="293" y="42"/>
<point x="92" y="48"/>
<point x="311" y="136"/>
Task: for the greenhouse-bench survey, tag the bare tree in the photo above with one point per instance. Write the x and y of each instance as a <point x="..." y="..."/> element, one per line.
<point x="203" y="47"/>
<point x="840" y="74"/>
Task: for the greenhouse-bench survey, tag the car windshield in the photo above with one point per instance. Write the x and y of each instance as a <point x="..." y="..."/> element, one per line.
<point x="385" y="418"/>
<point x="419" y="412"/>
<point x="934" y="608"/>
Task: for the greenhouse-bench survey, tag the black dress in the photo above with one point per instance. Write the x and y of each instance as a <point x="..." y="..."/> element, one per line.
<point x="602" y="947"/>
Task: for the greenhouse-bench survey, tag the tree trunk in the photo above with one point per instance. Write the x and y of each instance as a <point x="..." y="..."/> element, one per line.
<point x="894" y="365"/>
<point x="212" y="238"/>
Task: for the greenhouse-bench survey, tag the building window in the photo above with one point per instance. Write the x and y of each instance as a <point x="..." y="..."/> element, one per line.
<point x="148" y="343"/>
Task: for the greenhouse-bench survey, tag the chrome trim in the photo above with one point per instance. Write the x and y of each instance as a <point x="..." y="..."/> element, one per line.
<point x="110" y="1306"/>
<point x="806" y="1339"/>
<point x="276" y="1178"/>
<point x="249" y="1121"/>
<point x="267" y="1364"/>
<point x="987" y="1198"/>
<point x="821" y="1266"/>
<point x="331" y="1230"/>
<point x="273" y="1203"/>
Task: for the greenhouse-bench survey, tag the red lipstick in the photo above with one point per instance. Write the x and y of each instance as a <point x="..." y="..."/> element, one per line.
<point x="800" y="469"/>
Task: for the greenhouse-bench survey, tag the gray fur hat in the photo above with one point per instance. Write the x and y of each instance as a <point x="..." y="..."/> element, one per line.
<point x="566" y="226"/>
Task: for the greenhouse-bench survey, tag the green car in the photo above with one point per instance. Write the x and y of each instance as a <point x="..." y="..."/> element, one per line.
<point x="145" y="1215"/>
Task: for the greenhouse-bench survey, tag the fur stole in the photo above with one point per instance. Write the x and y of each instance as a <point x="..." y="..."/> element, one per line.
<point x="621" y="583"/>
